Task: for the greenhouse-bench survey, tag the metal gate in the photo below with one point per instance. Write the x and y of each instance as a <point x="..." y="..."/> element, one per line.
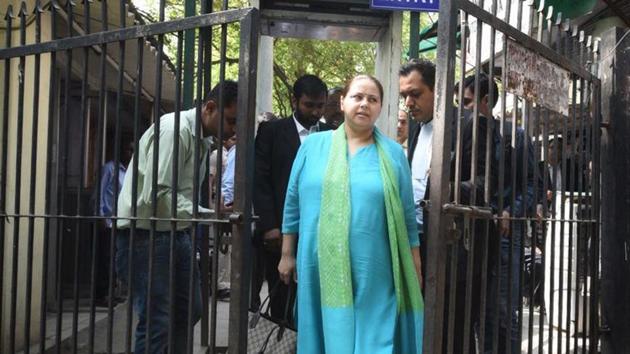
<point x="513" y="244"/>
<point x="81" y="82"/>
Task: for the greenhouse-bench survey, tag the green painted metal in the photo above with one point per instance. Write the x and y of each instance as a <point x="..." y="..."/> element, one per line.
<point x="570" y="8"/>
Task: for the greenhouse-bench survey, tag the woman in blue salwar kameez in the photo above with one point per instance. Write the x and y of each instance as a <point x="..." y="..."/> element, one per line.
<point x="357" y="265"/>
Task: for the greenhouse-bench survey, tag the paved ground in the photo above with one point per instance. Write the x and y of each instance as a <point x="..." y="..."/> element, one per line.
<point x="119" y="333"/>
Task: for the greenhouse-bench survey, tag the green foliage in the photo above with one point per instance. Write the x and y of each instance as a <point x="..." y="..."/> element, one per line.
<point x="335" y="62"/>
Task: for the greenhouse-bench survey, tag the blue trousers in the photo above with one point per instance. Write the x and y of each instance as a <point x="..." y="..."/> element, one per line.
<point x="160" y="290"/>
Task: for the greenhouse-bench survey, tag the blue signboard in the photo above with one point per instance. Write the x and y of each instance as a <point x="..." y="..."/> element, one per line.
<point x="411" y="5"/>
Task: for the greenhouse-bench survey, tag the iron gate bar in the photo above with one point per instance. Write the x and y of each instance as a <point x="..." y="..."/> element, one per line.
<point x="62" y="163"/>
<point x="460" y="113"/>
<point x="524" y="40"/>
<point x="580" y="184"/>
<point x="123" y="34"/>
<point x="154" y="179"/>
<point x="114" y="228"/>
<point x="250" y="33"/>
<point x="95" y="230"/>
<point x="5" y="140"/>
<point x="33" y="169"/>
<point x="585" y="190"/>
<point x="84" y="117"/>
<point x="546" y="187"/>
<point x="18" y="178"/>
<point x="47" y="200"/>
<point x="594" y="320"/>
<point x="79" y="223"/>
<point x="206" y="33"/>
<point x="487" y="193"/>
<point x="175" y="179"/>
<point x="434" y="305"/>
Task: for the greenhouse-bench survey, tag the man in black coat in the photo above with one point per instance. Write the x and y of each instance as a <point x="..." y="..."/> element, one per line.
<point x="277" y="144"/>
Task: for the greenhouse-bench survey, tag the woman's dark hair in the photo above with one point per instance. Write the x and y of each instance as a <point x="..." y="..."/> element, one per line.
<point x="364" y="76"/>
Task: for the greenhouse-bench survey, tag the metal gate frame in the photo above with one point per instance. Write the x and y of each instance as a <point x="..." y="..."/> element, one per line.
<point x="240" y="217"/>
<point x="441" y="207"/>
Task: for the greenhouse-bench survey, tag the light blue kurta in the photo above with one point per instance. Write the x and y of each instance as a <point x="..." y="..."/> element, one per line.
<point x="374" y="298"/>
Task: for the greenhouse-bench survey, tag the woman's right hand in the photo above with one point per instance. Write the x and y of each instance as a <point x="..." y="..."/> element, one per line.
<point x="286" y="268"/>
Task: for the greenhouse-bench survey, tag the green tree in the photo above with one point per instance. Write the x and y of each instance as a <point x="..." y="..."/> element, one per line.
<point x="334" y="61"/>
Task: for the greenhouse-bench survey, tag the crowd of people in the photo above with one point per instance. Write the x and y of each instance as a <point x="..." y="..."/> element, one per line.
<point x="340" y="212"/>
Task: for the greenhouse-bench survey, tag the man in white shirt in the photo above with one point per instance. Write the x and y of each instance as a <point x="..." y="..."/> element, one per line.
<point x="416" y="81"/>
<point x="170" y="198"/>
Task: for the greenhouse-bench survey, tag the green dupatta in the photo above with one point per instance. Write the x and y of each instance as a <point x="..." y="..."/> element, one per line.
<point x="334" y="225"/>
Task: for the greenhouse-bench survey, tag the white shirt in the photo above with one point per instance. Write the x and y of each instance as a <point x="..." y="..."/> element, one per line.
<point x="303" y="132"/>
<point x="420" y="167"/>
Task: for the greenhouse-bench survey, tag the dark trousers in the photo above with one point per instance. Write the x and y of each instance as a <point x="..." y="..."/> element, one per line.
<point x="160" y="292"/>
<point x="484" y="246"/>
<point x="102" y="259"/>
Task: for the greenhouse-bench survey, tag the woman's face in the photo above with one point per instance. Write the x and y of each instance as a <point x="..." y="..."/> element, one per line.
<point x="361" y="104"/>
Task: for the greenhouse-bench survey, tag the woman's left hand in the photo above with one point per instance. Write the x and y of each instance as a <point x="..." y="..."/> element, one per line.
<point x="286" y="268"/>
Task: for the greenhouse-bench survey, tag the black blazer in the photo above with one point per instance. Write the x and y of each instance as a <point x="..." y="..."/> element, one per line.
<point x="277" y="143"/>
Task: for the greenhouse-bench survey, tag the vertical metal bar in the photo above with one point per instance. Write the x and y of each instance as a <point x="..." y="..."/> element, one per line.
<point x="414" y="34"/>
<point x="31" y="220"/>
<point x="154" y="187"/>
<point x="469" y="283"/>
<point x="525" y="185"/>
<point x="453" y="255"/>
<point x="500" y="190"/>
<point x="96" y="206"/>
<point x="134" y="192"/>
<point x="117" y="137"/>
<point x="206" y="7"/>
<point x="63" y="163"/>
<point x="81" y="153"/>
<point x="218" y="206"/>
<point x="513" y="190"/>
<point x="216" y="227"/>
<point x="102" y="102"/>
<point x="591" y="311"/>
<point x="440" y="167"/>
<point x="458" y="141"/>
<point x="508" y="10"/>
<point x="488" y="186"/>
<point x="189" y="56"/>
<point x="5" y="141"/>
<point x="585" y="44"/>
<point x="18" y="180"/>
<point x="577" y="40"/>
<point x="546" y="187"/>
<point x="595" y="267"/>
<point x="473" y="181"/>
<point x="534" y="236"/>
<point x="241" y="251"/>
<point x="49" y="171"/>
<point x="175" y="182"/>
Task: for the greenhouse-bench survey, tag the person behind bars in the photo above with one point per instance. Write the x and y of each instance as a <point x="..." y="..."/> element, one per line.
<point x="155" y="333"/>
